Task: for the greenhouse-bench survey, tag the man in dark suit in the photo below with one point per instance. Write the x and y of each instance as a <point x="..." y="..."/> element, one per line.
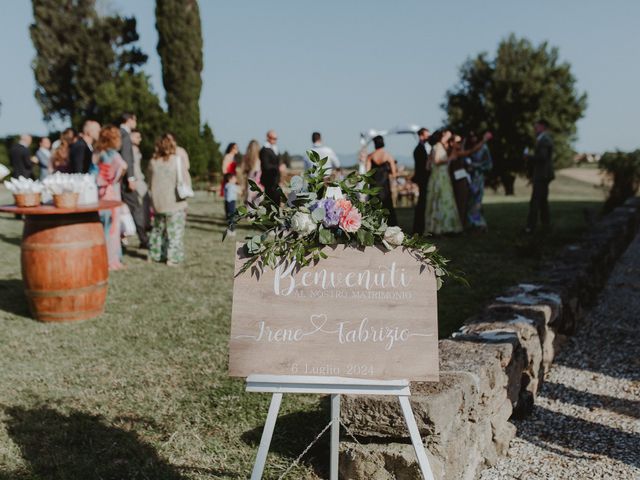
<point x="82" y="150"/>
<point x="130" y="196"/>
<point x="270" y="163"/>
<point x="20" y="158"/>
<point x="542" y="175"/>
<point x="421" y="177"/>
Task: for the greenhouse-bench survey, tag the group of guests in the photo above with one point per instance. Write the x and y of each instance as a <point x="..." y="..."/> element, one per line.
<point x="71" y="153"/>
<point x="112" y="154"/>
<point x="449" y="172"/>
<point x="262" y="166"/>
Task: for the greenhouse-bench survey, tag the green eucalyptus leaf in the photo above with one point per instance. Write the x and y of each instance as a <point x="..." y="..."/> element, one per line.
<point x="253" y="186"/>
<point x="326" y="236"/>
<point x="318" y="214"/>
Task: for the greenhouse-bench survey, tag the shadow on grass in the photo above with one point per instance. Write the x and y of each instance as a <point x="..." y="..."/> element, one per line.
<point x="294" y="432"/>
<point x="213" y="220"/>
<point x="12" y="299"/>
<point x="206" y="219"/>
<point x="135" y="253"/>
<point x="79" y="446"/>
<point x="11" y="239"/>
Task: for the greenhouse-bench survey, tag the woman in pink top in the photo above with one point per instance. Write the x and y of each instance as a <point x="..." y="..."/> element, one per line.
<point x="111" y="169"/>
<point x="229" y="164"/>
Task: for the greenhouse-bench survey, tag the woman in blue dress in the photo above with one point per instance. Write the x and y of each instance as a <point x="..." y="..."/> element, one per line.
<point x="481" y="163"/>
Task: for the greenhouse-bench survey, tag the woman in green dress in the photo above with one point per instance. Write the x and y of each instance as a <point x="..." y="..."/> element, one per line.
<point x="442" y="213"/>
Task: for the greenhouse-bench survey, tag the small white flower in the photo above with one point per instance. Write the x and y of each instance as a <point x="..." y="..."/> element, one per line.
<point x="393" y="236"/>
<point x="334" y="192"/>
<point x="302" y="223"/>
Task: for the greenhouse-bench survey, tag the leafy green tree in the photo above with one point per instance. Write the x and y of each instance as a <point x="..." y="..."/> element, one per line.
<point x="180" y="49"/>
<point x="624" y="169"/>
<point x="4" y="154"/>
<point x="214" y="156"/>
<point x="132" y="92"/>
<point x="507" y="93"/>
<point x="77" y="51"/>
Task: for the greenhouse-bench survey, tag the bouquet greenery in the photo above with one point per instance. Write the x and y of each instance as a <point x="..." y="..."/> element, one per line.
<point x="317" y="212"/>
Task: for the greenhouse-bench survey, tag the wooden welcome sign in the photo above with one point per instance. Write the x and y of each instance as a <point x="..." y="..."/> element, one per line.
<point x="360" y="314"/>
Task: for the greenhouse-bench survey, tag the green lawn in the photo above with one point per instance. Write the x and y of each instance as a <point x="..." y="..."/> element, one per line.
<point x="142" y="392"/>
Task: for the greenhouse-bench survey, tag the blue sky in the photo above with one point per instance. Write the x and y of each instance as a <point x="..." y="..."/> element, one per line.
<point x="343" y="67"/>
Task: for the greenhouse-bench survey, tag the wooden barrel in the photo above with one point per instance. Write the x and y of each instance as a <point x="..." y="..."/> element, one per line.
<point x="64" y="266"/>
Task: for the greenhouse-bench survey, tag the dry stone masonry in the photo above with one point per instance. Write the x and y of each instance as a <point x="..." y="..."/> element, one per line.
<point x="491" y="369"/>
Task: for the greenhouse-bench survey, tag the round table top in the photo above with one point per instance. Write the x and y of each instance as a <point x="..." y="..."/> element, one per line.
<point x="52" y="210"/>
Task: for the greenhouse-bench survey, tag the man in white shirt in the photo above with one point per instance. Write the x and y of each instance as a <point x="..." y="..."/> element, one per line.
<point x="323" y="151"/>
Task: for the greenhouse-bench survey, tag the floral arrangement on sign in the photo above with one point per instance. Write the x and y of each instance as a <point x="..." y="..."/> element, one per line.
<point x="318" y="213"/>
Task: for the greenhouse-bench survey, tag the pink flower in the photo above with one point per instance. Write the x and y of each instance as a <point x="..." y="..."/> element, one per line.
<point x="351" y="220"/>
<point x="344" y="205"/>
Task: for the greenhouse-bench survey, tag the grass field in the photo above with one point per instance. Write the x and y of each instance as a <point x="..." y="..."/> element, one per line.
<point x="142" y="392"/>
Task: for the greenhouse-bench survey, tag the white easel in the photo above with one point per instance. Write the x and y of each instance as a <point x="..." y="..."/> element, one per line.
<point x="334" y="386"/>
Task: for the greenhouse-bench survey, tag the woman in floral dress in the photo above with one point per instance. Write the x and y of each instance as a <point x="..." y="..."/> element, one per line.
<point x="441" y="214"/>
<point x="481" y="163"/>
<point x="111" y="169"/>
<point x="166" y="242"/>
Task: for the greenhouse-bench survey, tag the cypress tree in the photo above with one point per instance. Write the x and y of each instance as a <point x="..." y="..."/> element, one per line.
<point x="180" y="49"/>
<point x="214" y="156"/>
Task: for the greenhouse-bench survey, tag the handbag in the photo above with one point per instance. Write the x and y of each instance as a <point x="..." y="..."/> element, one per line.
<point x="183" y="189"/>
<point x="460" y="174"/>
<point x="127" y="225"/>
<point x="4" y="171"/>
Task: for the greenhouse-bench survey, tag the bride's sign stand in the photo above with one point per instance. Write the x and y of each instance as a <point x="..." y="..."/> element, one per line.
<point x="334" y="386"/>
<point x="354" y="324"/>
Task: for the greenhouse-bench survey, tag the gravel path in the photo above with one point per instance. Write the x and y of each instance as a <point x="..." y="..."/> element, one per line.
<point x="586" y="423"/>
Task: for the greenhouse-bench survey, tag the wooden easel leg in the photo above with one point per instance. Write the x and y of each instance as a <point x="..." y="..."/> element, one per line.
<point x="335" y="435"/>
<point x="423" y="460"/>
<point x="267" y="433"/>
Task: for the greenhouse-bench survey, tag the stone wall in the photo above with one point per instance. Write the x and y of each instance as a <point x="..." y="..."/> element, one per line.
<point x="491" y="369"/>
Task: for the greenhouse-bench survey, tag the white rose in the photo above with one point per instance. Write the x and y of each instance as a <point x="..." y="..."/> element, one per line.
<point x="334" y="192"/>
<point x="302" y="223"/>
<point x="393" y="236"/>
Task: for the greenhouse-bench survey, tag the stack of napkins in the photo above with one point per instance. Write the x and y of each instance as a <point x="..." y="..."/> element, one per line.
<point x="23" y="185"/>
<point x="84" y="184"/>
<point x="4" y="171"/>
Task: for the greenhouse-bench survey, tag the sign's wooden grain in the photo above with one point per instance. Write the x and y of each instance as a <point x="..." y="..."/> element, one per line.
<point x="360" y="314"/>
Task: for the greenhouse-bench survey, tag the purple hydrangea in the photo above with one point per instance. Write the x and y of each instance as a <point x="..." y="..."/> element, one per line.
<point x="332" y="212"/>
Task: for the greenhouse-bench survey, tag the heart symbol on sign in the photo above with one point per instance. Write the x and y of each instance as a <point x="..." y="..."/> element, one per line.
<point x="318" y="320"/>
